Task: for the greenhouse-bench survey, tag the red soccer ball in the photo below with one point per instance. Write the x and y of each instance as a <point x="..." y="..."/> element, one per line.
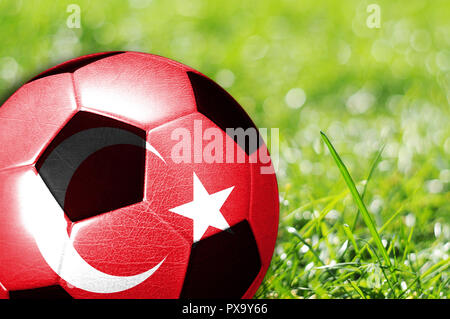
<point x="129" y="175"/>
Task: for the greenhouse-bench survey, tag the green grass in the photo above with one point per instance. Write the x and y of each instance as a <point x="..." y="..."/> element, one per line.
<point x="361" y="206"/>
<point x="381" y="95"/>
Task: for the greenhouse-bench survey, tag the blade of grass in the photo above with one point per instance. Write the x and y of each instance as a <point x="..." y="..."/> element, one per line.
<point x="372" y="169"/>
<point x="408" y="243"/>
<point x="392" y="250"/>
<point x="355" y="194"/>
<point x="359" y="291"/>
<point x="445" y="263"/>
<point x="304" y="242"/>
<point x="348" y="232"/>
<point x="385" y="225"/>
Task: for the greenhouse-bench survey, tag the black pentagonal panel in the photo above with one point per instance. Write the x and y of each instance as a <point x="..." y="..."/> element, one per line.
<point x="72" y="66"/>
<point x="223" y="265"/>
<point x="94" y="165"/>
<point x="221" y="108"/>
<point x="50" y="292"/>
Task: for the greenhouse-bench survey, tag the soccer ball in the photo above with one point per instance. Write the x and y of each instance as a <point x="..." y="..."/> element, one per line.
<point x="129" y="175"/>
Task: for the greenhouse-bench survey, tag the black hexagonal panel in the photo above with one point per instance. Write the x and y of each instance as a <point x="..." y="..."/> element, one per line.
<point x="94" y="165"/>
<point x="221" y="108"/>
<point x="50" y="292"/>
<point x="223" y="265"/>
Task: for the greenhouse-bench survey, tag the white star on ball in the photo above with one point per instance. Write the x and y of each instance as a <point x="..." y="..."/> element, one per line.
<point x="204" y="209"/>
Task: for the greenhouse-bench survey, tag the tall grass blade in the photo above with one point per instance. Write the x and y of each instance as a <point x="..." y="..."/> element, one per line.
<point x="355" y="194"/>
<point x="372" y="169"/>
<point x="358" y="290"/>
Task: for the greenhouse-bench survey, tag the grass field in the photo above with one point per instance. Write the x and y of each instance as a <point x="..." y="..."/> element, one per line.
<point x="381" y="96"/>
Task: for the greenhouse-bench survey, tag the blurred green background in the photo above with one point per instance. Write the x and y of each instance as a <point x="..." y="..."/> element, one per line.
<point x="302" y="66"/>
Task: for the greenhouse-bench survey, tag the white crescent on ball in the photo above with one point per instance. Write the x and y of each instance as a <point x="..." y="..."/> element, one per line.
<point x="45" y="220"/>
